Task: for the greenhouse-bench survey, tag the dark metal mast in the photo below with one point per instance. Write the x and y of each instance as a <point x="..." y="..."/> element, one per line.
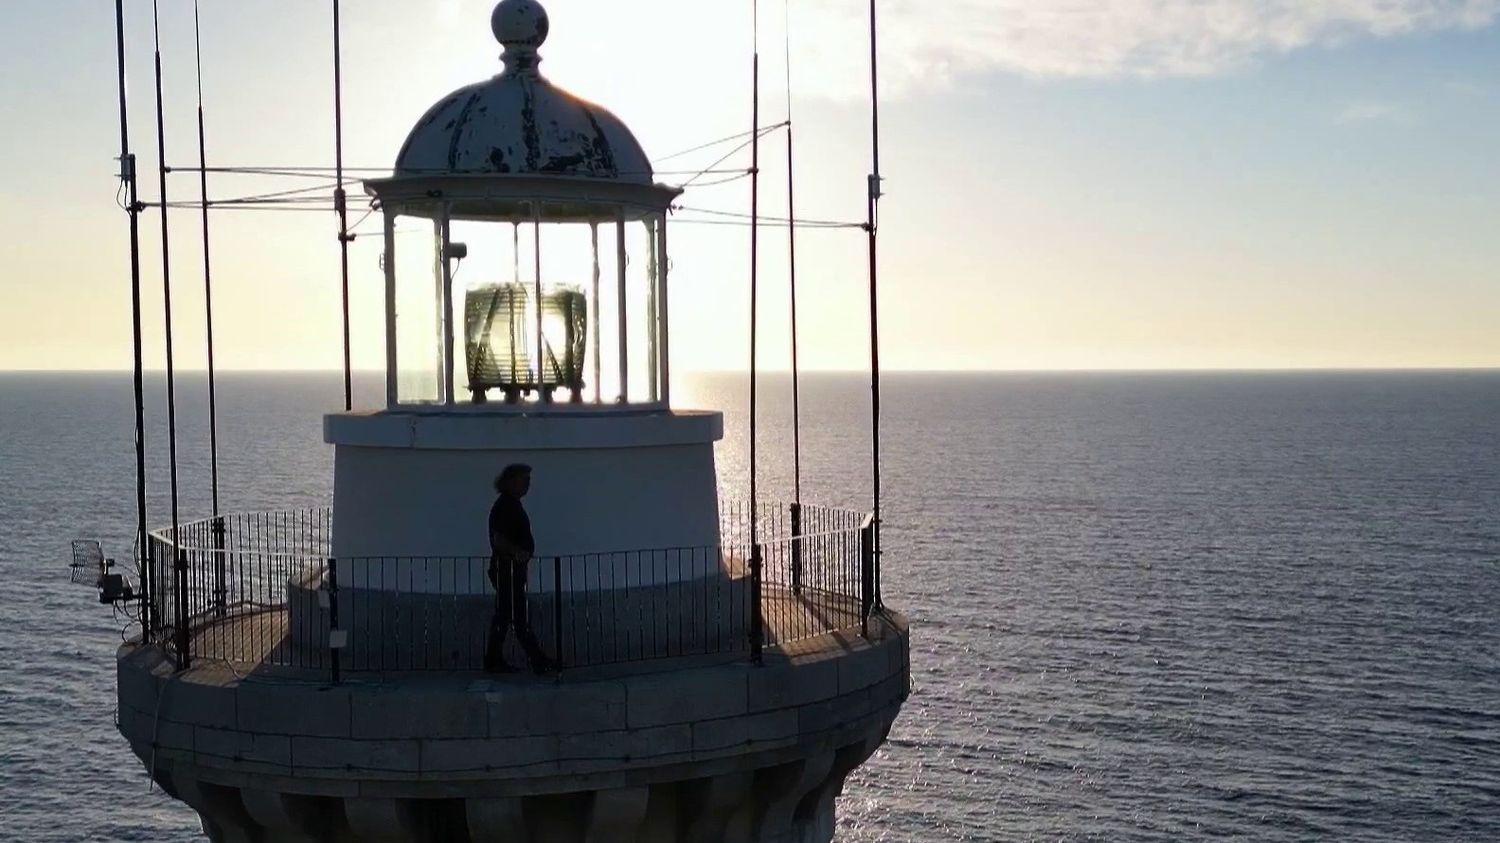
<point x="757" y="632"/>
<point x="208" y="284"/>
<point x="791" y="248"/>
<point x="871" y="230"/>
<point x="217" y="524"/>
<point x="179" y="562"/>
<point x="340" y="199"/>
<point x="133" y="210"/>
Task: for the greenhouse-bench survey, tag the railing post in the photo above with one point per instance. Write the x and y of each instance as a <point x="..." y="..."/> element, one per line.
<point x="866" y="575"/>
<point x="757" y="616"/>
<point x="147" y="545"/>
<point x="179" y="605"/>
<point x="333" y="620"/>
<point x="557" y="611"/>
<point x="221" y="588"/>
<point x="796" y="548"/>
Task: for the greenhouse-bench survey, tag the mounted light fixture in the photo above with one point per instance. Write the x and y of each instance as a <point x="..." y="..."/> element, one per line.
<point x="498" y="320"/>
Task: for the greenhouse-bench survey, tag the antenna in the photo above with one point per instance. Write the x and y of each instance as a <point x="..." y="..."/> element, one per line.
<point x="133" y="210"/>
<point x="340" y="199"/>
<point x="757" y="631"/>
<point x="871" y="228"/>
<point x="91" y="567"/>
<point x="208" y="302"/>
<point x="179" y="565"/>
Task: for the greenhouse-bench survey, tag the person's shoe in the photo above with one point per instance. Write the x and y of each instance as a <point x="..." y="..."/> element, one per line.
<point x="500" y="666"/>
<point x="543" y="666"/>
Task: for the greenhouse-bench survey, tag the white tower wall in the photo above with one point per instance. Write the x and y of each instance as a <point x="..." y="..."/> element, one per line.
<point x="421" y="484"/>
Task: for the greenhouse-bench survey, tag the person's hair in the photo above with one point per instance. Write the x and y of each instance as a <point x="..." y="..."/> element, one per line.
<point x="510" y="471"/>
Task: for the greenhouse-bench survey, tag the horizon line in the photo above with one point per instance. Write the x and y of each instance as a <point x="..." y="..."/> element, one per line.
<point x="822" y="371"/>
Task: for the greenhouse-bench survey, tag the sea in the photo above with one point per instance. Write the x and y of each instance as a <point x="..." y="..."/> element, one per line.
<point x="1144" y="607"/>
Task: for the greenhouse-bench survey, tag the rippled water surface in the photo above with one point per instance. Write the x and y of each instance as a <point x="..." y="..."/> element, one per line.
<point x="1145" y="607"/>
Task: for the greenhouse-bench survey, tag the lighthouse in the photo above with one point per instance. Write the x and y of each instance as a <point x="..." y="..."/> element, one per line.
<point x="714" y="668"/>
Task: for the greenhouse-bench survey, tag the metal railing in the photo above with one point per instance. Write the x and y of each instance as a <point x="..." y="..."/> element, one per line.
<point x="263" y="589"/>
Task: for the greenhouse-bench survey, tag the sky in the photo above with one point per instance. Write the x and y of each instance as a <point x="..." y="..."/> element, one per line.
<point x="1071" y="184"/>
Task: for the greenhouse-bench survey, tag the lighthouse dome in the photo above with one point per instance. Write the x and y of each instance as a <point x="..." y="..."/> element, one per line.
<point x="518" y="123"/>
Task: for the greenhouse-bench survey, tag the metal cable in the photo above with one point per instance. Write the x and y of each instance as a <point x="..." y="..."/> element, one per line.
<point x="753" y="142"/>
<point x="801" y="223"/>
<point x="713" y="143"/>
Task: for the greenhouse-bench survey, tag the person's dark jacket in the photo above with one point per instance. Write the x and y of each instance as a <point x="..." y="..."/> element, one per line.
<point x="509" y="521"/>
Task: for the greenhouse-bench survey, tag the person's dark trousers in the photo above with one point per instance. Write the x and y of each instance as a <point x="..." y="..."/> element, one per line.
<point x="508" y="576"/>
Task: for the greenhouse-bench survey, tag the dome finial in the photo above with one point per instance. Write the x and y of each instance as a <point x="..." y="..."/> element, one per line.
<point x="521" y="27"/>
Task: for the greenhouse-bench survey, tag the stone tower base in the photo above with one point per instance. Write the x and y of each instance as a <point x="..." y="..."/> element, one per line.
<point x="668" y="752"/>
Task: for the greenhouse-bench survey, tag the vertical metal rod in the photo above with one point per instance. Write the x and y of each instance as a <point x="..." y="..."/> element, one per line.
<point x="217" y="524"/>
<point x="754" y="273"/>
<point x="340" y="199"/>
<point x="796" y="511"/>
<point x="179" y="560"/>
<point x="791" y="251"/>
<point x="515" y="279"/>
<point x="333" y="618"/>
<point x="757" y="617"/>
<point x="871" y="229"/>
<point x="541" y="341"/>
<point x="866" y="574"/>
<point x="664" y="333"/>
<point x="757" y="629"/>
<point x="440" y="318"/>
<point x="557" y="611"/>
<point x="392" y="358"/>
<point x="133" y="210"/>
<point x="598" y="318"/>
<point x="445" y="301"/>
<point x="624" y="325"/>
<point x="652" y="360"/>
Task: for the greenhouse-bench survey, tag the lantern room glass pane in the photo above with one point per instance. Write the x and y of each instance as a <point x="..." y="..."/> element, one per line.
<point x="420" y="354"/>
<point x="537" y="311"/>
<point x="520" y="341"/>
<point x="640" y="313"/>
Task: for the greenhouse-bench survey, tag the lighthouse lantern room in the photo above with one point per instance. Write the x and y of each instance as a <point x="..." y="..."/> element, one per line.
<point x="513" y="336"/>
<point x="483" y="174"/>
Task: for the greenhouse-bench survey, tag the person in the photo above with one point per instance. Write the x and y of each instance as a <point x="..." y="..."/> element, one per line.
<point x="511" y="549"/>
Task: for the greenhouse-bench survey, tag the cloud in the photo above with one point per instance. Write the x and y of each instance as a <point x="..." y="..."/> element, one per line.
<point x="1466" y="88"/>
<point x="1371" y="111"/>
<point x="927" y="42"/>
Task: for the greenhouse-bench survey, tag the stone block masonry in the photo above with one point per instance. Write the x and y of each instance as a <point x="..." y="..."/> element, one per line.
<point x="672" y="752"/>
